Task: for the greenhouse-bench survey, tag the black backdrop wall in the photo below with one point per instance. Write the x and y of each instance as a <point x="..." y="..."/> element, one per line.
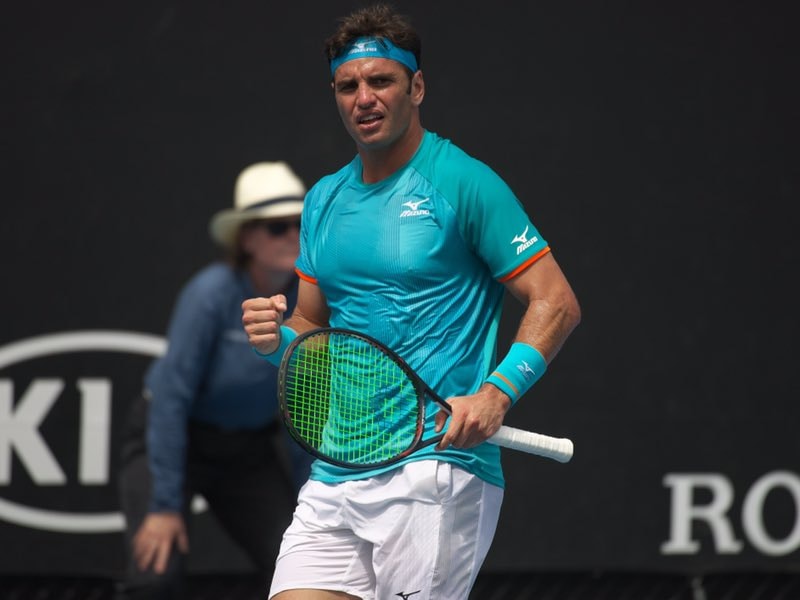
<point x="653" y="144"/>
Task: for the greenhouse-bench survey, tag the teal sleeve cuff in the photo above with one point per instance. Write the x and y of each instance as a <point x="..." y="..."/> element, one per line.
<point x="287" y="335"/>
<point x="518" y="371"/>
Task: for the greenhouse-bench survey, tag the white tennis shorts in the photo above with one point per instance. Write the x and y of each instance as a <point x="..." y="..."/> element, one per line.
<point x="419" y="532"/>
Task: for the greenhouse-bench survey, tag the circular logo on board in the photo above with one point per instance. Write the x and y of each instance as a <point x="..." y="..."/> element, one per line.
<point x="20" y="423"/>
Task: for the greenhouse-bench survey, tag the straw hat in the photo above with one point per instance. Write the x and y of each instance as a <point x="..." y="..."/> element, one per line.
<point x="265" y="190"/>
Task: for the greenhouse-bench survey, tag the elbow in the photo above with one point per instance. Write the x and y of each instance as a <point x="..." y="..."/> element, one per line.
<point x="575" y="312"/>
<point x="570" y="311"/>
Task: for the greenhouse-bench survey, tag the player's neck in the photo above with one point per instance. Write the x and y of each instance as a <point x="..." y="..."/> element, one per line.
<point x="380" y="163"/>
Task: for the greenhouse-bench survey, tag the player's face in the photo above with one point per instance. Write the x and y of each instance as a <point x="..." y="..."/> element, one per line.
<point x="376" y="100"/>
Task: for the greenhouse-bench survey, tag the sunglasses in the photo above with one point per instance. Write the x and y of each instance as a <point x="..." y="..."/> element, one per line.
<point x="279" y="227"/>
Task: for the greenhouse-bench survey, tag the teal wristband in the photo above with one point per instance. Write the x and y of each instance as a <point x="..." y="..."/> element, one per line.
<point x="519" y="370"/>
<point x="287" y="335"/>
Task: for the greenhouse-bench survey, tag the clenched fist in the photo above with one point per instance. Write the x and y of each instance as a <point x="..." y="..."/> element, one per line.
<point x="262" y="319"/>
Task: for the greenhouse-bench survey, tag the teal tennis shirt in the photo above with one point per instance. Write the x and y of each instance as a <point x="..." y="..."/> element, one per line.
<point x="418" y="261"/>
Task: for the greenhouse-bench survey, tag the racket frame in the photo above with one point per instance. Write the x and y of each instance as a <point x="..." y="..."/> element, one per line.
<point x="558" y="449"/>
<point x="421" y="389"/>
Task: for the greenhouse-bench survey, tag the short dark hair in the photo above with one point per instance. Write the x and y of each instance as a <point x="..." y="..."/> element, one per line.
<point x="380" y="21"/>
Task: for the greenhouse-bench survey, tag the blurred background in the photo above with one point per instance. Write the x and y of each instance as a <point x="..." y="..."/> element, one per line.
<point x="655" y="147"/>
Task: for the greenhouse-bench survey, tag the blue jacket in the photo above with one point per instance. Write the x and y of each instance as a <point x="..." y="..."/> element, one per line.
<point x="209" y="374"/>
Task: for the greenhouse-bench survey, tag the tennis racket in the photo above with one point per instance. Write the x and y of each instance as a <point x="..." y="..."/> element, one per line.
<point x="351" y="401"/>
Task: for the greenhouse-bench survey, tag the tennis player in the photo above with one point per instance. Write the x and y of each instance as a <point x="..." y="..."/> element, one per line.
<point x="413" y="242"/>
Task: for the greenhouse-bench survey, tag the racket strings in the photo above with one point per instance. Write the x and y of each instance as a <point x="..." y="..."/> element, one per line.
<point x="308" y="392"/>
<point x="350" y="401"/>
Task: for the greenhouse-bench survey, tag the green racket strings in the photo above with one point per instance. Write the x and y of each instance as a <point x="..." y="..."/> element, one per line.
<point x="350" y="401"/>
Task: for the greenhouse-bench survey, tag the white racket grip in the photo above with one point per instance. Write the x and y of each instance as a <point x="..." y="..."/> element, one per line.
<point x="559" y="449"/>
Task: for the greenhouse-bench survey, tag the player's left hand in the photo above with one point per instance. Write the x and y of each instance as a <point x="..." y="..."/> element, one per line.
<point x="474" y="418"/>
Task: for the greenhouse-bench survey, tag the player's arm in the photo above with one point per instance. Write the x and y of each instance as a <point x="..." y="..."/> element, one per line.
<point x="552" y="309"/>
<point x="551" y="313"/>
<point x="311" y="310"/>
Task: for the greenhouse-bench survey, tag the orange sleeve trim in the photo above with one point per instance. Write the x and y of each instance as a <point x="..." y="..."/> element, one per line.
<point x="525" y="265"/>
<point x="505" y="379"/>
<point x="305" y="277"/>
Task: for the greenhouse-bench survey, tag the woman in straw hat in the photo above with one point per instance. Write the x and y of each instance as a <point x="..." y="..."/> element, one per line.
<point x="207" y="423"/>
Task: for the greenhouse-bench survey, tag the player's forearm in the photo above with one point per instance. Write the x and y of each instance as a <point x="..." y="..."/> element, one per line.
<point x="549" y="321"/>
<point x="300" y="322"/>
<point x="311" y="311"/>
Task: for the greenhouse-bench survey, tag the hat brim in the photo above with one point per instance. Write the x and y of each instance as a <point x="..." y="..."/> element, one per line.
<point x="224" y="225"/>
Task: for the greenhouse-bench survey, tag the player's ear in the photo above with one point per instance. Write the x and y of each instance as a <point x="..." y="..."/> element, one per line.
<point x="417" y="88"/>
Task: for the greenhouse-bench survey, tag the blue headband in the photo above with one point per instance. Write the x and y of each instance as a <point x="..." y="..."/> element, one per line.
<point x="371" y="47"/>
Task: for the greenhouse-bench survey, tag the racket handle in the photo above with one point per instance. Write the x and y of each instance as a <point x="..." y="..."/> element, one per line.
<point x="559" y="449"/>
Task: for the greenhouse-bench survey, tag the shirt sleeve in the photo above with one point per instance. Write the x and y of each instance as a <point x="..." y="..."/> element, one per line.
<point x="495" y="224"/>
<point x="173" y="382"/>
<point x="309" y="220"/>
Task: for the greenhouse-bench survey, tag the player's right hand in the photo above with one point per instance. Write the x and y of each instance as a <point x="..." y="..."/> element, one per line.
<point x="262" y="319"/>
